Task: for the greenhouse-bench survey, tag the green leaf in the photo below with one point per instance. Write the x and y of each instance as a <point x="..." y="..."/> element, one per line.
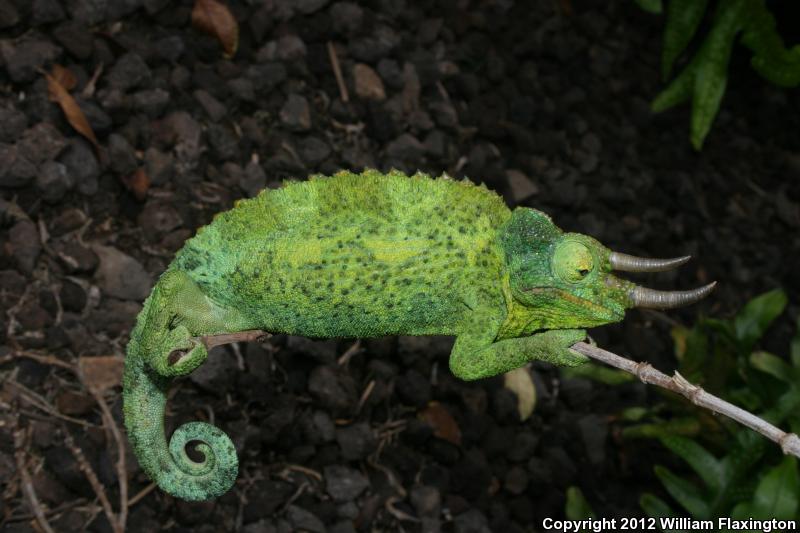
<point x="655" y="507"/>
<point x="577" y="508"/>
<point x="599" y="373"/>
<point x="684" y="493"/>
<point x="683" y="18"/>
<point x="794" y="350"/>
<point x="773" y="365"/>
<point x="754" y="319"/>
<point x="651" y="6"/>
<point x="677" y="426"/>
<point x="634" y="414"/>
<point x="676" y="92"/>
<point x="778" y="492"/>
<point x="702" y="462"/>
<point x="771" y="59"/>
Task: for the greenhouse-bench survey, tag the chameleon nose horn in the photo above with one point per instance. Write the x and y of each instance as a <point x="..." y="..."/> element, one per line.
<point x="631" y="263"/>
<point x="653" y="299"/>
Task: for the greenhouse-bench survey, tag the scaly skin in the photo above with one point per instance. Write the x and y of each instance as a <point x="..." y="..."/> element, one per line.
<point x="361" y="256"/>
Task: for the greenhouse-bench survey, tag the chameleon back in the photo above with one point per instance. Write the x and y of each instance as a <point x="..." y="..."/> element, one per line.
<point x="354" y="255"/>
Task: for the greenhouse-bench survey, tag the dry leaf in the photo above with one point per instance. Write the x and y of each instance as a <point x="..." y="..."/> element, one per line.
<point x="444" y="425"/>
<point x="71" y="109"/>
<point x="216" y="19"/>
<point x="101" y="372"/>
<point x="64" y="77"/>
<point x="137" y="183"/>
<point x="520" y="382"/>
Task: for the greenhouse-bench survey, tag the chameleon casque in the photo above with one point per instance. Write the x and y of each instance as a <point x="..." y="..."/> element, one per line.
<point x="365" y="255"/>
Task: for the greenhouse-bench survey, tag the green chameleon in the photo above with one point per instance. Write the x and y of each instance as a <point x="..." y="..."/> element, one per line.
<point x="366" y="255"/>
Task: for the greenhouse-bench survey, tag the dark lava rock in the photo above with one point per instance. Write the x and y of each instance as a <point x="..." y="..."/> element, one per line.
<point x="151" y="102"/>
<point x="73" y="297"/>
<point x="356" y="441"/>
<point x="23" y="239"/>
<point x="42" y="142"/>
<point x="122" y="158"/>
<point x="343" y="483"/>
<point x="16" y="170"/>
<point x="81" y="165"/>
<point x="472" y="521"/>
<point x="75" y="38"/>
<point x="128" y="72"/>
<point x="594" y="431"/>
<point x="314" y="151"/>
<point x="253" y="179"/>
<point x="23" y="58"/>
<point x="243" y="89"/>
<point x="346" y="17"/>
<point x="157" y="219"/>
<point x="9" y="16"/>
<point x="516" y="480"/>
<point x="12" y="123"/>
<point x="53" y="181"/>
<point x="264" y="498"/>
<point x="413" y="388"/>
<point x="307" y="7"/>
<point x="46" y="12"/>
<point x="213" y="108"/>
<point x="158" y="165"/>
<point x="333" y="388"/>
<point x="304" y="520"/>
<point x="406" y="147"/>
<point x="427" y="500"/>
<point x="217" y="373"/>
<point x="296" y="114"/>
<point x="224" y="145"/>
<point x="120" y="275"/>
<point x="265" y="77"/>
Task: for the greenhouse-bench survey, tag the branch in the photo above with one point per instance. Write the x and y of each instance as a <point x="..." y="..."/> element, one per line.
<point x="251" y="335"/>
<point x="789" y="442"/>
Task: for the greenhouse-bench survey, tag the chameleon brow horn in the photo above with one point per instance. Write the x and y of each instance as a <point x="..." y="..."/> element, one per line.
<point x="651" y="298"/>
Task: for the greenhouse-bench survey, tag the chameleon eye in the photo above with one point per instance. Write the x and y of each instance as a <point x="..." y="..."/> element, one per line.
<point x="572" y="261"/>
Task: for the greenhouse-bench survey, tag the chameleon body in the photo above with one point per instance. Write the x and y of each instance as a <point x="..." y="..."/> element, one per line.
<point x="361" y="255"/>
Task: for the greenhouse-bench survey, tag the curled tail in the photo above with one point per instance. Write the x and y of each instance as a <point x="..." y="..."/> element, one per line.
<point x="168" y="464"/>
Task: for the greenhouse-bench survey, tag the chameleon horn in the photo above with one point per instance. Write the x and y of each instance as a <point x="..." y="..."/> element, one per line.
<point x="631" y="263"/>
<point x="653" y="299"/>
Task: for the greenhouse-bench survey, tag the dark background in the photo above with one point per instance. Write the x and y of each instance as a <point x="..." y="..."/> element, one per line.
<point x="545" y="102"/>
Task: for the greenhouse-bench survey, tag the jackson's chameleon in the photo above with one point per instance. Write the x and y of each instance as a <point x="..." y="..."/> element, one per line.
<point x="365" y="255"/>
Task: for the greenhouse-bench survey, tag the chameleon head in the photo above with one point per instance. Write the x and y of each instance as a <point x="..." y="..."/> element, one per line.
<point x="570" y="275"/>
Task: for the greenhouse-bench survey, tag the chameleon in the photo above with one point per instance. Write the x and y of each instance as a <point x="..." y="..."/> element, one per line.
<point x="366" y="255"/>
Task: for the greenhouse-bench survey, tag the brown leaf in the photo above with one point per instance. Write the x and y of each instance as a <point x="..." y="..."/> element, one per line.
<point x="137" y="183"/>
<point x="64" y="77"/>
<point x="520" y="382"/>
<point x="71" y="109"/>
<point x="101" y="372"/>
<point x="215" y="18"/>
<point x="442" y="422"/>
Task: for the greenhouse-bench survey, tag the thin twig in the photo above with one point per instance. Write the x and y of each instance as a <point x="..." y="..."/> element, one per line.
<point x="20" y="439"/>
<point x="122" y="471"/>
<point x="251" y="335"/>
<point x="789" y="442"/>
<point x="141" y="494"/>
<point x="337" y="71"/>
<point x="87" y="470"/>
<point x="44" y="359"/>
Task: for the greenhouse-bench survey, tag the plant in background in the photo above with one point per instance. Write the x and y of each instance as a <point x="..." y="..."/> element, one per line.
<point x="704" y="78"/>
<point x="747" y="478"/>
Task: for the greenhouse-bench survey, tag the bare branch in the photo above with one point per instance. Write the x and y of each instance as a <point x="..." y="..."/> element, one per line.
<point x="789" y="442"/>
<point x="251" y="335"/>
<point x="20" y="443"/>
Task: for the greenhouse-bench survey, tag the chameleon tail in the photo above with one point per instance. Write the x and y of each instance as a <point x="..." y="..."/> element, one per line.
<point x="168" y="464"/>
